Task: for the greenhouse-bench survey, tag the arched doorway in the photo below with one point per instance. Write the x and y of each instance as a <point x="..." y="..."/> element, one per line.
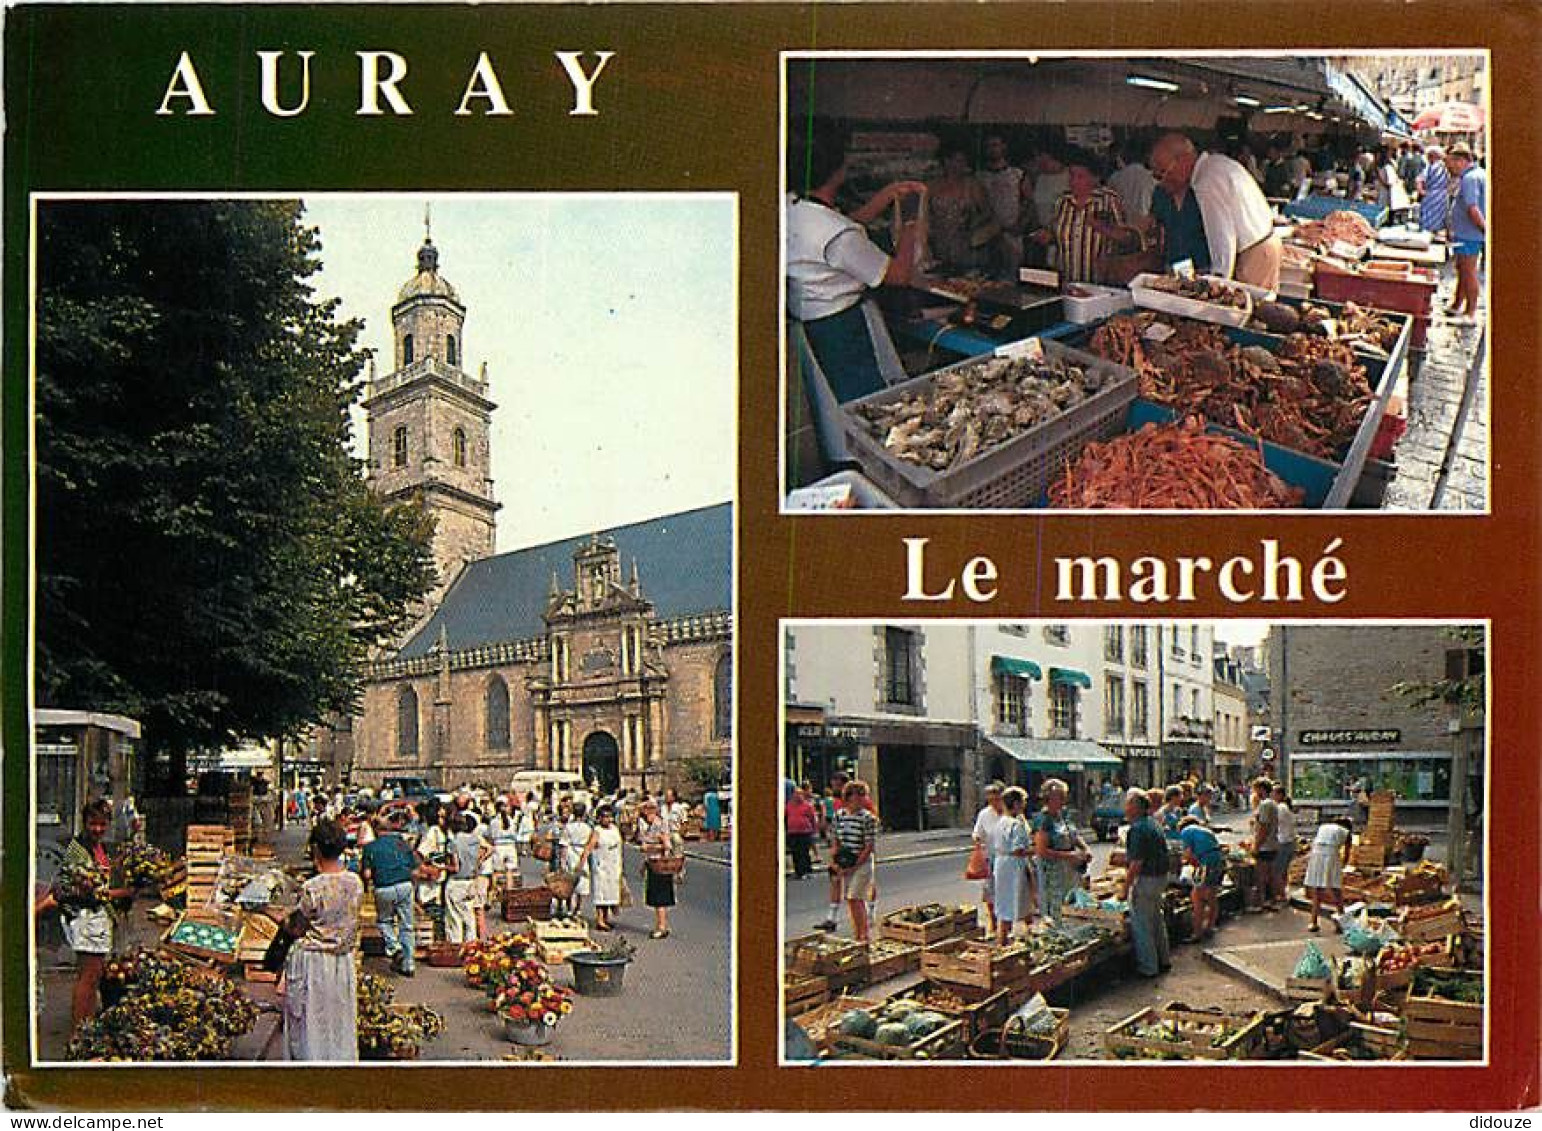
<point x="602" y="761"/>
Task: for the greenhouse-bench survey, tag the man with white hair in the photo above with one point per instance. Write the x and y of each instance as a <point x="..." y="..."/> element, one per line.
<point x="1239" y="227"/>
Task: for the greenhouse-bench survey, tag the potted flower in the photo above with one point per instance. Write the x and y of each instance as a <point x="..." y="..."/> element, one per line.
<point x="531" y="1004"/>
<point x="1413" y="847"/>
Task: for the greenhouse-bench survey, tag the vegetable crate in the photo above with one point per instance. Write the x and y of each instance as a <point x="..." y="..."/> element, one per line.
<point x="887" y="959"/>
<point x="803" y="992"/>
<point x="1431" y="921"/>
<point x="819" y="1023"/>
<point x="843" y="961"/>
<point x="1013" y="474"/>
<point x="902" y="926"/>
<point x="209" y="937"/>
<point x="556" y="939"/>
<point x="1368" y="856"/>
<point x="1374" y="1041"/>
<point x="969" y="964"/>
<point x="1308" y="989"/>
<point x="1440" y="1029"/>
<point x="520" y="904"/>
<point x="1018" y="1045"/>
<point x="1417" y="887"/>
<point x="977" y="1016"/>
<point x="946" y="1043"/>
<point x="1114" y="921"/>
<point x="1198" y="1035"/>
<point x="1395" y="964"/>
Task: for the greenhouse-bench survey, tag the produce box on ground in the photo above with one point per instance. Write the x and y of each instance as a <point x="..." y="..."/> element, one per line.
<point x="986" y="1013"/>
<point x="1430" y="922"/>
<point x="1176" y="1032"/>
<point x="1443" y="1016"/>
<point x="520" y="904"/>
<point x="969" y="964"/>
<point x="820" y="1022"/>
<point x="1308" y="989"/>
<point x="1038" y="1034"/>
<point x="987" y="432"/>
<point x="1424" y="883"/>
<point x="920" y="925"/>
<point x="1395" y="964"/>
<point x="1361" y="1042"/>
<point x="843" y="961"/>
<point x="557" y="939"/>
<point x="205" y="935"/>
<point x="900" y="1029"/>
<point x="803" y="992"/>
<point x="1111" y="919"/>
<point x="888" y="958"/>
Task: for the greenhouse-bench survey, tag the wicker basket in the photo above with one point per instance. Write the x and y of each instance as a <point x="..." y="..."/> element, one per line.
<point x="666" y="865"/>
<point x="561" y="884"/>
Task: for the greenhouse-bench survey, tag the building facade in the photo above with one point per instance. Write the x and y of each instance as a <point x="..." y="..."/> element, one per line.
<point x="1233" y="729"/>
<point x="609" y="654"/>
<point x="1337" y="719"/>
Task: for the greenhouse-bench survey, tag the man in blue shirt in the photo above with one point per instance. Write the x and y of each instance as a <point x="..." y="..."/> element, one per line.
<point x="389" y="863"/>
<point x="1469" y="229"/>
<point x="1203" y="851"/>
<point x="1183" y="229"/>
<point x="1145" y="879"/>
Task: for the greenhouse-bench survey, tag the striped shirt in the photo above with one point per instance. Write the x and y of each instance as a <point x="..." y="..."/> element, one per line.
<point x="1079" y="243"/>
<point x="854" y="831"/>
<point x="1435" y="208"/>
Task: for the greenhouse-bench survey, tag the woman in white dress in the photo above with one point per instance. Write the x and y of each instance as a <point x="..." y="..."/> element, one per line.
<point x="572" y="841"/>
<point x="1013" y="844"/>
<point x="603" y="856"/>
<point x="1325" y="866"/>
<point x="320" y="988"/>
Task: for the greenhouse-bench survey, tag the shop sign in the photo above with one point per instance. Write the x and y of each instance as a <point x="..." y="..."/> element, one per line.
<point x="854" y="734"/>
<point x="1350" y="737"/>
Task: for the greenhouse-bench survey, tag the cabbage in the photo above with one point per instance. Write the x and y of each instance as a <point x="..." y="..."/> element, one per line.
<point x="923" y="1024"/>
<point x="892" y="1033"/>
<point x="858" y="1023"/>
<point x="901" y="1008"/>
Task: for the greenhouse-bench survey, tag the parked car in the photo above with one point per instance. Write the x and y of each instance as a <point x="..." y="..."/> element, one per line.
<point x="409" y="787"/>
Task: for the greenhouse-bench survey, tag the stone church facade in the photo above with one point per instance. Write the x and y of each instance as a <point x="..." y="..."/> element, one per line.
<point x="609" y="654"/>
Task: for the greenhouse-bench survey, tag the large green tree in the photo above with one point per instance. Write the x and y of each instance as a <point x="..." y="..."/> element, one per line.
<point x="209" y="558"/>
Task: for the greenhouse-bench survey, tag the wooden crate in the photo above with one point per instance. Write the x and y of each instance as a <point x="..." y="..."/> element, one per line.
<point x="1027" y="1047"/>
<point x="1368" y="856"/>
<point x="1308" y="989"/>
<point x="826" y="955"/>
<point x="1430" y="922"/>
<point x="1439" y="1029"/>
<point x="946" y="1043"/>
<point x="978" y="964"/>
<point x="1115" y="921"/>
<point x="989" y="1012"/>
<point x="524" y="904"/>
<point x="966" y="920"/>
<point x="556" y="941"/>
<point x="260" y="930"/>
<point x="176" y="940"/>
<point x="925" y="933"/>
<point x="1417" y="888"/>
<point x="1386" y="1044"/>
<point x="887" y="958"/>
<point x="801" y="993"/>
<point x="819" y="1023"/>
<point x="1245" y="1034"/>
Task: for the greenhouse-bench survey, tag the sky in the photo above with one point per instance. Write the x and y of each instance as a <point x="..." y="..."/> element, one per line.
<point x="609" y="328"/>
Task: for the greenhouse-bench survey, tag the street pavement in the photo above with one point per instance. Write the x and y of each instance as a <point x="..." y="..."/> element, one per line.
<point x="1242" y="968"/>
<point x="677" y="1003"/>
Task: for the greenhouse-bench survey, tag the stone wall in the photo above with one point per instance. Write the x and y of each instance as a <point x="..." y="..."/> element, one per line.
<point x="689" y="710"/>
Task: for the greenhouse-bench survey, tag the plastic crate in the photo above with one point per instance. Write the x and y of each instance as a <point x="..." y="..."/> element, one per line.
<point x="1318" y="208"/>
<point x="1401" y="296"/>
<point x="1013" y="474"/>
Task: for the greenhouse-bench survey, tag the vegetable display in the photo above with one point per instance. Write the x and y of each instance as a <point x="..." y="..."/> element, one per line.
<point x="164" y="1011"/>
<point x="900" y="1022"/>
<point x="971" y="408"/>
<point x="1452" y="985"/>
<point x="1175" y="466"/>
<point x="518" y="983"/>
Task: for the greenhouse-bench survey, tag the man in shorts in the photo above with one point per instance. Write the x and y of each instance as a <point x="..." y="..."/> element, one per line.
<point x="1202" y="850"/>
<point x="1266" y="831"/>
<point x="854" y="837"/>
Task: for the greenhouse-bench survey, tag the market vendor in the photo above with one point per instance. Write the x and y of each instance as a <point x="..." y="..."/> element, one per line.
<point x="83" y="894"/>
<point x="1235" y="216"/>
<point x="832" y="264"/>
<point x="1058" y="849"/>
<point x="1145" y="879"/>
<point x="1087" y="222"/>
<point x="1202" y="850"/>
<point x="963" y="233"/>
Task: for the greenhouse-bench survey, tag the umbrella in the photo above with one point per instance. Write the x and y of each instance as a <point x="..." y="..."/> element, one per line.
<point x="1451" y="118"/>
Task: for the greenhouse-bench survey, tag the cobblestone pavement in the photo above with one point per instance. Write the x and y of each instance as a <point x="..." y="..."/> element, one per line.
<point x="1434" y="397"/>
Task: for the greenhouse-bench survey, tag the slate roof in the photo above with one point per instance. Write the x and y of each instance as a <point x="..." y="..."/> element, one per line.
<point x="685" y="561"/>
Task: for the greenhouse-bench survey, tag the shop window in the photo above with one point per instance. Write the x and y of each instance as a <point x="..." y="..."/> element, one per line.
<point x="1062" y="710"/>
<point x="1113" y="704"/>
<point x="458" y="443"/>
<point x="1011" y="704"/>
<point x="450" y="354"/>
<point x="407" y="354"/>
<point x="723" y="697"/>
<point x="1113" y="643"/>
<point x="407" y="723"/>
<point x="497" y="714"/>
<point x="1057" y="634"/>
<point x="1194" y="643"/>
<point x="899" y="667"/>
<point x="1138" y="721"/>
<point x="399" y="447"/>
<point x="1138" y="646"/>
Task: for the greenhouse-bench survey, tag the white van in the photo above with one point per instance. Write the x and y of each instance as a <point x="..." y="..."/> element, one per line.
<point x="546" y="783"/>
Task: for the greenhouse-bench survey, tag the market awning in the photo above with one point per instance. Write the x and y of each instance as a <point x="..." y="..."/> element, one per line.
<point x="1071" y="676"/>
<point x="1055" y="753"/>
<point x="1008" y="665"/>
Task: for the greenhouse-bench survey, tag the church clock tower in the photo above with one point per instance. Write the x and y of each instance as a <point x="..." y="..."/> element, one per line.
<point x="429" y="422"/>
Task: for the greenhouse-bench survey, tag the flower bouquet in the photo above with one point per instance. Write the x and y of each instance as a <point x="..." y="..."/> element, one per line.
<point x="530" y="1003"/>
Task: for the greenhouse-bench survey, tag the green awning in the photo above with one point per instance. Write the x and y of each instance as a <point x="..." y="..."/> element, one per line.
<point x="1055" y="753"/>
<point x="1010" y="666"/>
<point x="1071" y="676"/>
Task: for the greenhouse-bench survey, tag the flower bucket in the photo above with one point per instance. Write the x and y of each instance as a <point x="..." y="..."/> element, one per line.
<point x="529" y="1033"/>
<point x="597" y="975"/>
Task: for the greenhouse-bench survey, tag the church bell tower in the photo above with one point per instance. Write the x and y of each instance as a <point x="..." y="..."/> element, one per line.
<point x="429" y="421"/>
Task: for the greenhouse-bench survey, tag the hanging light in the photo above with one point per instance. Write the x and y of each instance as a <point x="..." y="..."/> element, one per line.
<point x="1151" y="83"/>
<point x="1245" y="100"/>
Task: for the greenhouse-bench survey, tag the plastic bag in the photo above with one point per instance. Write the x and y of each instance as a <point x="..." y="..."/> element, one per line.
<point x="1361" y="939"/>
<point x="978" y="867"/>
<point x="1312" y="964"/>
<point x="1033" y="1018"/>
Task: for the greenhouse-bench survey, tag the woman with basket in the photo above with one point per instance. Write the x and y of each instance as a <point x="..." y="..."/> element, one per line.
<point x="320" y="985"/>
<point x="660" y="865"/>
<point x="602" y="856"/>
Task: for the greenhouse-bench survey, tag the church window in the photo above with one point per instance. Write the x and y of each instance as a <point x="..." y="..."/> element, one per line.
<point x="407" y="349"/>
<point x="399" y="446"/>
<point x="497" y="714"/>
<point x="449" y="350"/>
<point x="407" y="723"/>
<point x="460" y="447"/>
<point x="723" y="697"/>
